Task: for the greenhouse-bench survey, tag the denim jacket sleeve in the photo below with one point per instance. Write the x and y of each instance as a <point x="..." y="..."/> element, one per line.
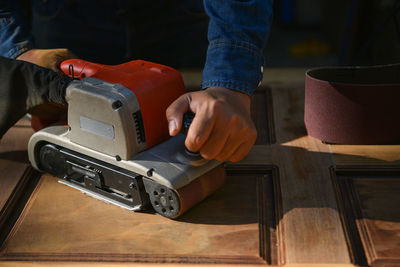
<point x="238" y="32"/>
<point x="15" y="37"/>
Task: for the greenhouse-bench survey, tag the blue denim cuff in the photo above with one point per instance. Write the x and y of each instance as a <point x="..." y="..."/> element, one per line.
<point x="18" y="49"/>
<point x="233" y="64"/>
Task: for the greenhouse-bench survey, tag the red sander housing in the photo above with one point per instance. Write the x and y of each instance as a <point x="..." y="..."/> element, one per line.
<point x="155" y="87"/>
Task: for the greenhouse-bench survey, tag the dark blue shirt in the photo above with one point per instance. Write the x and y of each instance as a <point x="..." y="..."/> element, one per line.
<point x="226" y="37"/>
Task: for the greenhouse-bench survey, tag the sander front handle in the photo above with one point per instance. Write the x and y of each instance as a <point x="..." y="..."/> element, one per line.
<point x="79" y="68"/>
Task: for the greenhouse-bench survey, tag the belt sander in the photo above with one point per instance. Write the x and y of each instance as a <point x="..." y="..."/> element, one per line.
<point x="116" y="146"/>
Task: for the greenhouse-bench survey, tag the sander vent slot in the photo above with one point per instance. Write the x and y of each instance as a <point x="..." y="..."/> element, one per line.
<point x="138" y="120"/>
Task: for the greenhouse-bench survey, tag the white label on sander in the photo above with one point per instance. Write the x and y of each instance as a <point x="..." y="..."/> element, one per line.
<point x="97" y="127"/>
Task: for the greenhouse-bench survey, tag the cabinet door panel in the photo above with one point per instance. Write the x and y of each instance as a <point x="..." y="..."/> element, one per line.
<point x="13" y="158"/>
<point x="370" y="206"/>
<point x="235" y="225"/>
<point x="15" y="171"/>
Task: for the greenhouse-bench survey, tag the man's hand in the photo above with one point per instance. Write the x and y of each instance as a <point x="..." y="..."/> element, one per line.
<point x="51" y="59"/>
<point x="48" y="58"/>
<point x="222" y="128"/>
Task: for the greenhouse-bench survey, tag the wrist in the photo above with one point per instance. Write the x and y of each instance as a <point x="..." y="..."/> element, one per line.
<point x="29" y="55"/>
<point x="230" y="95"/>
<point x="47" y="58"/>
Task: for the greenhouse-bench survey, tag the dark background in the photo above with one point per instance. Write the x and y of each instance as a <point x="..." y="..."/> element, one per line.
<point x="309" y="33"/>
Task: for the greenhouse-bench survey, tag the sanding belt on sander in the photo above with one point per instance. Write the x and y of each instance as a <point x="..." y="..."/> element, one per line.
<point x="353" y="105"/>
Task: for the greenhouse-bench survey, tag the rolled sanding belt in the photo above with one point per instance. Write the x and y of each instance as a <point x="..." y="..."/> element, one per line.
<point x="353" y="105"/>
<point x="201" y="188"/>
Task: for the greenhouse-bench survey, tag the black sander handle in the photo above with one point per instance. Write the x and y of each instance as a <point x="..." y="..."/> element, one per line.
<point x="186" y="122"/>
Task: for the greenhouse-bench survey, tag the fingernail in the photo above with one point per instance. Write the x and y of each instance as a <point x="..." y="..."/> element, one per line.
<point x="172" y="127"/>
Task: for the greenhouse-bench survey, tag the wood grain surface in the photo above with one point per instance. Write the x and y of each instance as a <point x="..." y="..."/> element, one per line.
<point x="16" y="174"/>
<point x="107" y="264"/>
<point x="310" y="226"/>
<point x="292" y="201"/>
<point x="371" y="155"/>
<point x="370" y="201"/>
<point x="13" y="158"/>
<point x="263" y="116"/>
<point x="59" y="223"/>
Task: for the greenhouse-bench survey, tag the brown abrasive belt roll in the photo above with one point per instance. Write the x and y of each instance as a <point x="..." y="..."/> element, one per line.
<point x="201" y="188"/>
<point x="353" y="105"/>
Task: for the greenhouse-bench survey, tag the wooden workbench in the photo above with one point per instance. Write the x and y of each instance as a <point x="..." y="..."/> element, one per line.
<point x="293" y="201"/>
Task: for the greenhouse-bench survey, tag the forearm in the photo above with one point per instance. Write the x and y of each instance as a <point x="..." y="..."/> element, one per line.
<point x="23" y="86"/>
<point x="15" y="37"/>
<point x="238" y="32"/>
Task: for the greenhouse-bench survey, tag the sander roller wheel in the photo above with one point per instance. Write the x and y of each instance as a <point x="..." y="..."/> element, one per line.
<point x="172" y="203"/>
<point x="164" y="201"/>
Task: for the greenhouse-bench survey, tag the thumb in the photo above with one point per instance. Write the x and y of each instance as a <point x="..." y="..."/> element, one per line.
<point x="175" y="113"/>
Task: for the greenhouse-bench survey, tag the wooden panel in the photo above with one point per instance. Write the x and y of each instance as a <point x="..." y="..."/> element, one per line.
<point x="262" y="115"/>
<point x="16" y="173"/>
<point x="311" y="226"/>
<point x="238" y="223"/>
<point x="118" y="264"/>
<point x="13" y="158"/>
<point x="235" y="225"/>
<point x="366" y="155"/>
<point x="370" y="201"/>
